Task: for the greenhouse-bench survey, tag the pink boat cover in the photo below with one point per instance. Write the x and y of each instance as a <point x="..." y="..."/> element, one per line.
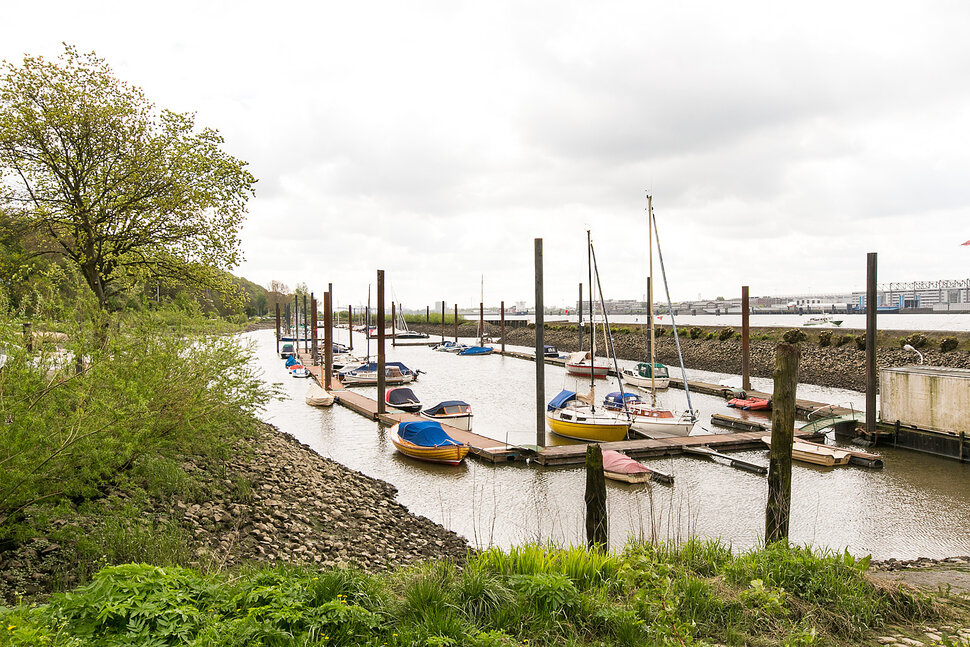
<point x="621" y="463"/>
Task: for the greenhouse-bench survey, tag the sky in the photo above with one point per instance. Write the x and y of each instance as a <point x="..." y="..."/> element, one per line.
<point x="436" y="140"/>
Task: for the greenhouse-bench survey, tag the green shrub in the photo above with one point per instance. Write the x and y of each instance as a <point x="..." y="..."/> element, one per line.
<point x="726" y="334"/>
<point x="794" y="335"/>
<point x="948" y="343"/>
<point x="659" y="331"/>
<point x="695" y="332"/>
<point x="825" y="338"/>
<point x="860" y="342"/>
<point x="844" y="339"/>
<point x="917" y="340"/>
<point x="710" y="335"/>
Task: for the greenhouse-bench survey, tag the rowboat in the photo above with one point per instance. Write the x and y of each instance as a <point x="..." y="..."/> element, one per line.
<point x="579" y="364"/>
<point x="620" y="467"/>
<point x="648" y="419"/>
<point x="317" y="396"/>
<point x="644" y="377"/>
<point x="815" y="454"/>
<point x="366" y="375"/>
<point x="453" y="413"/>
<point x="449" y="347"/>
<point x="572" y="417"/>
<point x="427" y="441"/>
<point x="299" y="370"/>
<point x="403" y="398"/>
<point x="751" y="403"/>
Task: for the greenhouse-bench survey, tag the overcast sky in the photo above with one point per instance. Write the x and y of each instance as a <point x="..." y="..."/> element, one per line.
<point x="436" y="140"/>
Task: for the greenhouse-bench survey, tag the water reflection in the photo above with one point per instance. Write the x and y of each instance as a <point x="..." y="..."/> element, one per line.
<point x="917" y="506"/>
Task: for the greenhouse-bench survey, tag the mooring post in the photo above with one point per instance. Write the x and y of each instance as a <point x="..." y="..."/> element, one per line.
<point x="871" y="308"/>
<point x="456" y="323"/>
<point x="333" y="305"/>
<point x="745" y="337"/>
<point x="327" y="340"/>
<point x="442" y="321"/>
<point x="540" y="357"/>
<point x="278" y="327"/>
<point x="350" y="327"/>
<point x="315" y="353"/>
<point x="296" y="323"/>
<point x="481" y="323"/>
<point x="597" y="530"/>
<point x="381" y="379"/>
<point x="782" y="435"/>
<point x="580" y="316"/>
<point x="427" y="314"/>
<point x="306" y="325"/>
<point x="502" y="327"/>
<point x="393" y="331"/>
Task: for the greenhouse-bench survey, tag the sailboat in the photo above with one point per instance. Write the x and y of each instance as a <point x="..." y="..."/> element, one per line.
<point x="404" y="332"/>
<point x="576" y="416"/>
<point x="481" y="349"/>
<point x="649" y="419"/>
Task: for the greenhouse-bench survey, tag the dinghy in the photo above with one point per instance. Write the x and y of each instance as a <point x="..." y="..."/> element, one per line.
<point x="317" y="396"/>
<point x="403" y="398"/>
<point x="453" y="413"/>
<point x="620" y="467"/>
<point x="427" y="441"/>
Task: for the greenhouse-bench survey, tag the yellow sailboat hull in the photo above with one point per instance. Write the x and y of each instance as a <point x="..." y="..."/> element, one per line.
<point x="589" y="431"/>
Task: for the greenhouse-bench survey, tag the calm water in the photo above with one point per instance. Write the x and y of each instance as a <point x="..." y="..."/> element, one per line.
<point x="916" y="506"/>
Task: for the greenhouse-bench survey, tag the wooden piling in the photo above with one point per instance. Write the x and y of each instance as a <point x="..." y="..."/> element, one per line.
<point x="442" y="321"/>
<point x="580" y="326"/>
<point x="278" y="321"/>
<point x="871" y="310"/>
<point x="306" y="324"/>
<point x="502" y="326"/>
<point x="778" y="509"/>
<point x="540" y="343"/>
<point x="393" y="331"/>
<point x="315" y="352"/>
<point x="327" y="339"/>
<point x="481" y="323"/>
<point x="381" y="378"/>
<point x="427" y="314"/>
<point x="597" y="530"/>
<point x="456" y="323"/>
<point x="745" y="341"/>
<point x="350" y="327"/>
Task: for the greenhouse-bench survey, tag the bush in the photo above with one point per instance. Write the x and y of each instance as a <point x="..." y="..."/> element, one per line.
<point x="860" y="341"/>
<point x="726" y="334"/>
<point x="948" y="343"/>
<point x="917" y="340"/>
<point x="711" y="335"/>
<point x="683" y="332"/>
<point x="825" y="338"/>
<point x="844" y="339"/>
<point x="794" y="336"/>
<point x="695" y="332"/>
<point x="660" y="332"/>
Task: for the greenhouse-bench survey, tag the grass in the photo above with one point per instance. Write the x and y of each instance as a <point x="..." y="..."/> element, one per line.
<point x="648" y="594"/>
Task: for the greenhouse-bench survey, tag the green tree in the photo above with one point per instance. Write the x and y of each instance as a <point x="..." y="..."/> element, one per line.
<point x="123" y="190"/>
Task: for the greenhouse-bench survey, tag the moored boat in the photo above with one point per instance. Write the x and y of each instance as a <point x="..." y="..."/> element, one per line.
<point x="580" y="364"/>
<point x="816" y="454"/>
<point x="822" y="321"/>
<point x="620" y="467"/>
<point x="286" y="350"/>
<point x="453" y="413"/>
<point x="317" y="396"/>
<point x="645" y="377"/>
<point x="449" y="347"/>
<point x="366" y="374"/>
<point x="299" y="370"/>
<point x="476" y="350"/>
<point x="403" y="398"/>
<point x="427" y="441"/>
<point x="572" y="417"/>
<point x="647" y="419"/>
<point x="751" y="403"/>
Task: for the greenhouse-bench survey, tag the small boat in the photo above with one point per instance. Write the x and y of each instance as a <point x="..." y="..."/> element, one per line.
<point x="550" y="351"/>
<point x="815" y="454"/>
<point x="620" y="467"/>
<point x="579" y="364"/>
<point x="286" y="350"/>
<point x="645" y="377"/>
<point x="453" y="413"/>
<point x="402" y="398"/>
<point x="476" y="350"/>
<point x="317" y="396"/>
<point x="570" y="416"/>
<point x="449" y="347"/>
<point x="648" y="419"/>
<point x="366" y="374"/>
<point x="340" y="361"/>
<point x="822" y="321"/>
<point x="410" y="334"/>
<point x="750" y="403"/>
<point x="427" y="441"/>
<point x="291" y="361"/>
<point x="299" y="370"/>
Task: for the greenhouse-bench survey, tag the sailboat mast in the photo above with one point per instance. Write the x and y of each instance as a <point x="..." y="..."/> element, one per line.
<point x="592" y="325"/>
<point x="653" y="352"/>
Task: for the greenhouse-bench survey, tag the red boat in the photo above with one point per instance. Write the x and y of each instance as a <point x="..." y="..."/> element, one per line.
<point x="750" y="404"/>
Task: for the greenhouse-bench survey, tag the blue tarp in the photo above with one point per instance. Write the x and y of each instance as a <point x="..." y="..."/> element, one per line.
<point x="613" y="399"/>
<point x="372" y="367"/>
<point x="425" y="434"/>
<point x="476" y="350"/>
<point x="560" y="400"/>
<point x="290" y="361"/>
<point x="438" y="408"/>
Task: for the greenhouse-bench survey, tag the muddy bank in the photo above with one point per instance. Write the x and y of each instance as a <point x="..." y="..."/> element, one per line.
<point x="832" y="366"/>
<point x="276" y="500"/>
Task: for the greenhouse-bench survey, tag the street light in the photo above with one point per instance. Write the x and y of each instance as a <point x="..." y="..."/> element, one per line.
<point x="908" y="347"/>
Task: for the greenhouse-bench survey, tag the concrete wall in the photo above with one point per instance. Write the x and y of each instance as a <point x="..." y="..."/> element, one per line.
<point x="927" y="397"/>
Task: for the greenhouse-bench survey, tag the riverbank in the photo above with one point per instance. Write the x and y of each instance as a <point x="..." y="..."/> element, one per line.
<point x="837" y="365"/>
<point x="274" y="501"/>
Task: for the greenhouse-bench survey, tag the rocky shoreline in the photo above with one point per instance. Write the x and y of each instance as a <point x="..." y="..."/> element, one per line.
<point x="275" y="500"/>
<point x="831" y="366"/>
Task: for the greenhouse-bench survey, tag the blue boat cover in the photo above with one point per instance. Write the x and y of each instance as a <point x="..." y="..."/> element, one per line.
<point x="613" y="399"/>
<point x="560" y="400"/>
<point x="425" y="433"/>
<point x="402" y="395"/>
<point x="367" y="368"/>
<point x="290" y="361"/>
<point x="438" y="408"/>
<point x="476" y="350"/>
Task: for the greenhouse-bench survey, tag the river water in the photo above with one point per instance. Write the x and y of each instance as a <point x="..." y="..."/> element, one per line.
<point x="916" y="506"/>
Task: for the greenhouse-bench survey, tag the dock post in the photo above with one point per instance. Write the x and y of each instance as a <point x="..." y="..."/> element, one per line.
<point x="597" y="534"/>
<point x="306" y="325"/>
<point x="381" y="378"/>
<point x="442" y="321"/>
<point x="456" y="323"/>
<point x="327" y="339"/>
<point x="871" y="309"/>
<point x="778" y="509"/>
<point x="315" y="352"/>
<point x="427" y="314"/>
<point x="481" y="323"/>
<point x="540" y="361"/>
<point x="393" y="331"/>
<point x="296" y="322"/>
<point x="502" y="328"/>
<point x="332" y="305"/>
<point x="350" y="327"/>
<point x="581" y="316"/>
<point x="278" y="327"/>
<point x="745" y="341"/>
